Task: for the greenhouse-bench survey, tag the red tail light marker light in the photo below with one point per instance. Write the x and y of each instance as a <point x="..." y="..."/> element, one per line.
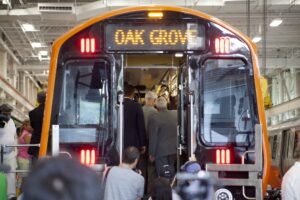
<point x="222" y="45"/>
<point x="227" y="156"/>
<point x="88" y="157"/>
<point x="82" y="156"/>
<point x="93" y="157"/>
<point x="87" y="45"/>
<point x="223" y="156"/>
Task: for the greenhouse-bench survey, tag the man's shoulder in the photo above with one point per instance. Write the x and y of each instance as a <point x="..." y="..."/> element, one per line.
<point x="11" y="122"/>
<point x="293" y="173"/>
<point x="33" y="111"/>
<point x="126" y="172"/>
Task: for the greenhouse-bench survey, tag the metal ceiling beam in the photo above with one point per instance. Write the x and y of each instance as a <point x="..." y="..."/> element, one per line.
<point x="283" y="107"/>
<point x="277" y="63"/>
<point x="92" y="9"/>
<point x="32" y="67"/>
<point x="2" y="43"/>
<point x="11" y="91"/>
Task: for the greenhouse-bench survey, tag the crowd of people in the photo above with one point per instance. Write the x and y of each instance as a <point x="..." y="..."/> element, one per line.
<point x="15" y="150"/>
<point x="147" y="170"/>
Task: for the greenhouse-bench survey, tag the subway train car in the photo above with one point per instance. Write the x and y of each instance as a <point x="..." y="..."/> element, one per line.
<point x="284" y="145"/>
<point x="215" y="74"/>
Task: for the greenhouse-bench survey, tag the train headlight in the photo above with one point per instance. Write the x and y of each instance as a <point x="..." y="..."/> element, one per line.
<point x="223" y="194"/>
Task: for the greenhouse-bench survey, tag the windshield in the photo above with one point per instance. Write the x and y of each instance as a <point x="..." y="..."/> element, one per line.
<point x="84" y="102"/>
<point x="227" y="115"/>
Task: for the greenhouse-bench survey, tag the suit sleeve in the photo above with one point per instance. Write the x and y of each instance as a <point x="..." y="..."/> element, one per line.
<point x="31" y="119"/>
<point x="141" y="126"/>
<point x="153" y="132"/>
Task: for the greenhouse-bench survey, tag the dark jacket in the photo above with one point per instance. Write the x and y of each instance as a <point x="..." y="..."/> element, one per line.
<point x="162" y="128"/>
<point x="36" y="121"/>
<point x="134" y="124"/>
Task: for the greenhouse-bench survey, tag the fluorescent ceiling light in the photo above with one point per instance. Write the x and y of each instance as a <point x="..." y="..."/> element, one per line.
<point x="256" y="39"/>
<point x="276" y="22"/>
<point x="43" y="53"/>
<point x="43" y="58"/>
<point x="28" y="27"/>
<point x="5" y="2"/>
<point x="36" y="44"/>
<point x="178" y="55"/>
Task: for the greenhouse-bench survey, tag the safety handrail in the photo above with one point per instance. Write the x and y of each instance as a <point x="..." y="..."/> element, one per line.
<point x="243" y="187"/>
<point x="21" y="145"/>
<point x="3" y="146"/>
<point x="121" y="110"/>
<point x="254" y="169"/>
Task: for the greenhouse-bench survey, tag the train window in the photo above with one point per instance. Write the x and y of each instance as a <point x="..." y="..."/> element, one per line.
<point x="84" y="101"/>
<point x="274" y="147"/>
<point x="296" y="151"/>
<point x="270" y="139"/>
<point x="227" y="117"/>
<point x="287" y="141"/>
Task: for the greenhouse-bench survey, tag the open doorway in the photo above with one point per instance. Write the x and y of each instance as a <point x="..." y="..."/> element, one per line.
<point x="159" y="73"/>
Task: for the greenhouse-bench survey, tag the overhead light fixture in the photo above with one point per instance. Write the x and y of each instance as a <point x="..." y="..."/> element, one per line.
<point x="178" y="55"/>
<point x="5" y="2"/>
<point x="256" y="39"/>
<point x="43" y="53"/>
<point x="36" y="44"/>
<point x="276" y="22"/>
<point x="26" y="27"/>
<point x="155" y="14"/>
<point x="44" y="58"/>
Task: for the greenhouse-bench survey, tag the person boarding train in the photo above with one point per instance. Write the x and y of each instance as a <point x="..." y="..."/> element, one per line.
<point x="162" y="129"/>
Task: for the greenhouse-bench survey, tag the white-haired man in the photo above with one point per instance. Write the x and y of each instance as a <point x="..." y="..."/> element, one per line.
<point x="148" y="169"/>
<point x="162" y="129"/>
<point x="148" y="108"/>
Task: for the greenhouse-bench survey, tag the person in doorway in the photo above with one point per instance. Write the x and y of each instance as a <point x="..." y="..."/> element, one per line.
<point x="122" y="181"/>
<point x="8" y="136"/>
<point x="149" y="110"/>
<point x="291" y="180"/>
<point x="162" y="128"/>
<point x="134" y="124"/>
<point x="36" y="120"/>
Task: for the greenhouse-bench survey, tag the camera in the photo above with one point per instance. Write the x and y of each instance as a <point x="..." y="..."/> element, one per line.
<point x="198" y="186"/>
<point x="3" y="120"/>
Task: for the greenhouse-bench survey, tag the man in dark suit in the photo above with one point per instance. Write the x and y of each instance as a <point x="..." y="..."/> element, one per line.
<point x="36" y="121"/>
<point x="134" y="124"/>
<point x="162" y="128"/>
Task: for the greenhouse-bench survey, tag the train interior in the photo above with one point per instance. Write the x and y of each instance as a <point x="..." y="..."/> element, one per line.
<point x="154" y="72"/>
<point x="158" y="73"/>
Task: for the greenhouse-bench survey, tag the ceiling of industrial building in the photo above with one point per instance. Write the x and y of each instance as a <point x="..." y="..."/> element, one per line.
<point x="52" y="18"/>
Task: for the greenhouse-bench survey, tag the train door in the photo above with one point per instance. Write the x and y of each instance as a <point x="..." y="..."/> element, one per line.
<point x="168" y="76"/>
<point x="286" y="150"/>
<point x="296" y="148"/>
<point x="275" y="139"/>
